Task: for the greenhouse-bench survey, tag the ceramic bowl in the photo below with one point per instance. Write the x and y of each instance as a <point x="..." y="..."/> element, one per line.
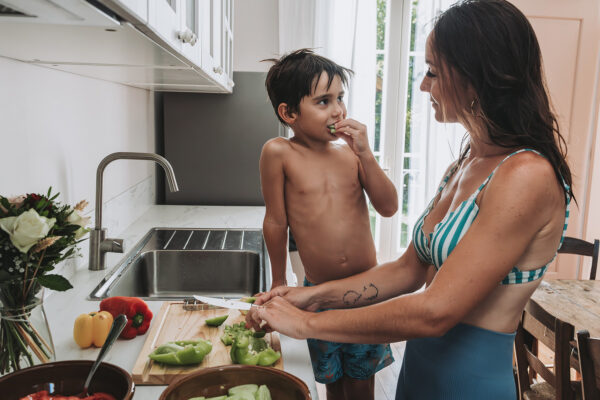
<point x="67" y="378"/>
<point x="215" y="381"/>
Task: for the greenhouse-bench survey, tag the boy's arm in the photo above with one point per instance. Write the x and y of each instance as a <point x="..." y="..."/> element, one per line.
<point x="380" y="189"/>
<point x="275" y="224"/>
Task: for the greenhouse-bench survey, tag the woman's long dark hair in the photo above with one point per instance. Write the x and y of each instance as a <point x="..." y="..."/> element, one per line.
<point x="491" y="45"/>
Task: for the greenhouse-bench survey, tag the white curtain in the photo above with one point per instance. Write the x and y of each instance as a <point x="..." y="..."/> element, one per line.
<point x="343" y="31"/>
<point x="441" y="141"/>
<point x="433" y="145"/>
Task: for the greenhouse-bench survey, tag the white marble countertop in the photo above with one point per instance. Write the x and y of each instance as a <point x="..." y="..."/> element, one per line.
<point x="63" y="308"/>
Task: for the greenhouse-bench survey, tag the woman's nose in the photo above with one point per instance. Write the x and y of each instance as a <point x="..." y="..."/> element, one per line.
<point x="424" y="84"/>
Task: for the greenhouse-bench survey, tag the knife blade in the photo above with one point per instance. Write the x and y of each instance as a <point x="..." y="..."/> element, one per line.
<point x="235" y="304"/>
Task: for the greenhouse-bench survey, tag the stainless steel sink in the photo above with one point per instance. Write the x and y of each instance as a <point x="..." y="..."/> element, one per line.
<point x="177" y="263"/>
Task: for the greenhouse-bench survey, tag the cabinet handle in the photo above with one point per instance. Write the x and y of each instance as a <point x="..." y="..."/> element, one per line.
<point x="187" y="36"/>
<point x="218" y="70"/>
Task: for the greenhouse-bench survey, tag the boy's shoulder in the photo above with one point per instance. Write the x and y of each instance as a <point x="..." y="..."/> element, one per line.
<point x="276" y="145"/>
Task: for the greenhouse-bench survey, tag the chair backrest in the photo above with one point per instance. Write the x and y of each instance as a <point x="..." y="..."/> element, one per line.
<point x="538" y="325"/>
<point x="589" y="361"/>
<point x="573" y="245"/>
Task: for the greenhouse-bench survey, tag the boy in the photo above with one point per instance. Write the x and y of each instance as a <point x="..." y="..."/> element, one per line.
<point x="315" y="186"/>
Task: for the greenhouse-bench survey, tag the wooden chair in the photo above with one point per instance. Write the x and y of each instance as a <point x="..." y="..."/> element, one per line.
<point x="573" y="245"/>
<point x="589" y="361"/>
<point x="538" y="325"/>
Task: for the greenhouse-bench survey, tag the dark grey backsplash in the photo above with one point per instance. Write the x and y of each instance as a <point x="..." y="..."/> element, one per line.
<point x="214" y="142"/>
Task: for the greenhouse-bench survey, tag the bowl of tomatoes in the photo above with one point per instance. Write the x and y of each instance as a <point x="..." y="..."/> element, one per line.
<point x="64" y="380"/>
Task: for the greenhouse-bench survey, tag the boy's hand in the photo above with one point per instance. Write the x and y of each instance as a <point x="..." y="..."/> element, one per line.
<point x="354" y="133"/>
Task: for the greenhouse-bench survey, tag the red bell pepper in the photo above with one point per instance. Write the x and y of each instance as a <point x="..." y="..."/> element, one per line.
<point x="135" y="309"/>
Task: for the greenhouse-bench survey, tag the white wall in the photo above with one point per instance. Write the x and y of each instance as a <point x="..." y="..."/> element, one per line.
<point x="57" y="126"/>
<point x="255" y="34"/>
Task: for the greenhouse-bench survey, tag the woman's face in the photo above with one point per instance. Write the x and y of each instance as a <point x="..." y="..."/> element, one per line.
<point x="444" y="107"/>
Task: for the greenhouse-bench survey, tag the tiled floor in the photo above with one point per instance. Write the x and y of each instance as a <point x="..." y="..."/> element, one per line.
<point x="385" y="380"/>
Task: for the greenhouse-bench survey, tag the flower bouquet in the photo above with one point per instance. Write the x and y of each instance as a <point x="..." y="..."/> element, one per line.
<point x="36" y="233"/>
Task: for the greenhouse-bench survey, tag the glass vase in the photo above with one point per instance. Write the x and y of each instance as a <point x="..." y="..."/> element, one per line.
<point x="25" y="338"/>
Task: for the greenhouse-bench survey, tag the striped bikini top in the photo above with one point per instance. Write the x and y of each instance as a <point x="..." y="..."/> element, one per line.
<point x="436" y="247"/>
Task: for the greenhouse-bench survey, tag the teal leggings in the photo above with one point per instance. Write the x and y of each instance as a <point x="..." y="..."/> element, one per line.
<point x="467" y="363"/>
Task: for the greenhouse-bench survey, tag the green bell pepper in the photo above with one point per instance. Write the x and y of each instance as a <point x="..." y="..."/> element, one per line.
<point x="182" y="352"/>
<point x="249" y="350"/>
<point x="231" y="331"/>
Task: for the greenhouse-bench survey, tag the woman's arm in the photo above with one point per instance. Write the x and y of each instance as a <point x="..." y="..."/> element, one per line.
<point x="377" y="284"/>
<point x="519" y="202"/>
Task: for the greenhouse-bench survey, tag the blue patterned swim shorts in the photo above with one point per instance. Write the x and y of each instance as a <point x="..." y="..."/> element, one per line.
<point x="332" y="360"/>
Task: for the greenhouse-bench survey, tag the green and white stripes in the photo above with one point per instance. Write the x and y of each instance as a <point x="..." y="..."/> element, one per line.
<point x="437" y="246"/>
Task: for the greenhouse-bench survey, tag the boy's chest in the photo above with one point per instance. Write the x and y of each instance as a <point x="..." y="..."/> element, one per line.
<point x="322" y="174"/>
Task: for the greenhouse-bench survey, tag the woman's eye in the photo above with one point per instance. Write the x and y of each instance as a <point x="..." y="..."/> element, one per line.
<point x="340" y="99"/>
<point x="430" y="74"/>
<point x="324" y="101"/>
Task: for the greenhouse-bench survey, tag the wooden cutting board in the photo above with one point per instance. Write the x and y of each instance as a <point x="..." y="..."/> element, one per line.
<point x="173" y="322"/>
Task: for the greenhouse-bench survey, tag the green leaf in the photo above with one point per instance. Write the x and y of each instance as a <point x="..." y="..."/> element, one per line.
<point x="54" y="282"/>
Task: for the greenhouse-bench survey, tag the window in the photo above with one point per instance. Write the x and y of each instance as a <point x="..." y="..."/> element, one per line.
<point x="407" y="138"/>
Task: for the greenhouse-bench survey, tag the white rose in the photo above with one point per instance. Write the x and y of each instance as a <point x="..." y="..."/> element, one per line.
<point x="26" y="229"/>
<point x="77" y="219"/>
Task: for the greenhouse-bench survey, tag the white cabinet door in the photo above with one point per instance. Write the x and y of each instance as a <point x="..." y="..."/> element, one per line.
<point x="164" y="18"/>
<point x="191" y="45"/>
<point x="211" y="39"/>
<point x="227" y="42"/>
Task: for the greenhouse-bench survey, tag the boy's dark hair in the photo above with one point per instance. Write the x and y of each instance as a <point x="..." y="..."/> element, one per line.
<point x="296" y="75"/>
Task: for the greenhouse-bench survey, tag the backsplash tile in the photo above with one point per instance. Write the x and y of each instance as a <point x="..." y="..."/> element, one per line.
<point x="117" y="214"/>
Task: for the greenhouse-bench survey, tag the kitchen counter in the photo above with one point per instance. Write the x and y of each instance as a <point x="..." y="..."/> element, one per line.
<point x="62" y="308"/>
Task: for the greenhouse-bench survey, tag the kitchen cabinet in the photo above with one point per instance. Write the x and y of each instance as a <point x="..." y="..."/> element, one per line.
<point x="217" y="40"/>
<point x="158" y="44"/>
<point x="64" y="12"/>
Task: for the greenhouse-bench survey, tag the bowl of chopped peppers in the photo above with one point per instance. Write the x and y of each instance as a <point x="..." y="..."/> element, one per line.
<point x="62" y="380"/>
<point x="218" y="381"/>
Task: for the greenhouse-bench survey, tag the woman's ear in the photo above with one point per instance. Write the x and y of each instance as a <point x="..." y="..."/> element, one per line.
<point x="284" y="112"/>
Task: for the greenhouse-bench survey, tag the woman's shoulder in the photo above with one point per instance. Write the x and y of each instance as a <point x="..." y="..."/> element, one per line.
<point x="526" y="166"/>
<point x="529" y="176"/>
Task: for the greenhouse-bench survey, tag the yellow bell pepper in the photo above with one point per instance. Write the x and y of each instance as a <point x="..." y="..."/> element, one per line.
<point x="92" y="328"/>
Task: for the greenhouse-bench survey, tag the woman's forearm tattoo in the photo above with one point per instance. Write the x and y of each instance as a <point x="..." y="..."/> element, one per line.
<point x="369" y="292"/>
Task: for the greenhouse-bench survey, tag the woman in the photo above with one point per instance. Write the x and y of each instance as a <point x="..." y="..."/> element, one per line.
<point x="496" y="222"/>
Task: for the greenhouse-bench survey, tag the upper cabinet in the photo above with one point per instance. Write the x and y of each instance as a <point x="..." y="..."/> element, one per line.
<point x="164" y="45"/>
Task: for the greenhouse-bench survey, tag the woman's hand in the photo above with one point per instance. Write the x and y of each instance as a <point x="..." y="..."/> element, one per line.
<point x="354" y="133"/>
<point x="301" y="297"/>
<point x="279" y="315"/>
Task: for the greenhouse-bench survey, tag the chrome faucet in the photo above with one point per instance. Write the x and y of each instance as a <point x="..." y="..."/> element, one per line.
<point x="99" y="243"/>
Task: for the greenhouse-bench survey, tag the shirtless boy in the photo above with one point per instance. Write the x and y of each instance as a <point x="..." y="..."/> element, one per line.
<point x="316" y="186"/>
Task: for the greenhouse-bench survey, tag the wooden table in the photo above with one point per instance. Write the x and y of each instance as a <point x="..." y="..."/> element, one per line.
<point x="574" y="301"/>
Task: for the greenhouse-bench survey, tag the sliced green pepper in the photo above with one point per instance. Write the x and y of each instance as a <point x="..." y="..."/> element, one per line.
<point x="216" y="321"/>
<point x="182" y="352"/>
<point x="263" y="393"/>
<point x="250" y="300"/>
<point x="230" y="331"/>
<point x="249" y="350"/>
<point x="249" y="387"/>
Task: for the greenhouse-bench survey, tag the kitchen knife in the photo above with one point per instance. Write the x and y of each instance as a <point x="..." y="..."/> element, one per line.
<point x="235" y="304"/>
